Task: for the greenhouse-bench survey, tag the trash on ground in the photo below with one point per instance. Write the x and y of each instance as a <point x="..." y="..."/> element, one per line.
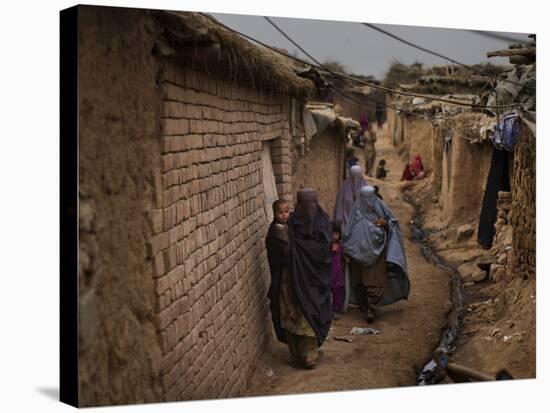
<point x="346" y="339"/>
<point x="268" y="371"/>
<point x="361" y="331"/>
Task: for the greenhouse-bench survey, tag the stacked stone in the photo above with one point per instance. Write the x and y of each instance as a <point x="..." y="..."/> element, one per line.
<point x="210" y="266"/>
<point x="504" y="205"/>
<point x="502" y="243"/>
<point x="523" y="213"/>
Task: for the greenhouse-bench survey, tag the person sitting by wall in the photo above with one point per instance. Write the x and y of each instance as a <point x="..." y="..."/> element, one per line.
<point x="417" y="168"/>
<point x="381" y="171"/>
<point x="414" y="170"/>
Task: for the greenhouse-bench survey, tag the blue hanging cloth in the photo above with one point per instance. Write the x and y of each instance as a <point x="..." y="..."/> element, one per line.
<point x="506" y="133"/>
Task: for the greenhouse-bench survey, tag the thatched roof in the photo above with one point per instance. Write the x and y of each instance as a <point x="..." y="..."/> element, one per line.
<point x="223" y="53"/>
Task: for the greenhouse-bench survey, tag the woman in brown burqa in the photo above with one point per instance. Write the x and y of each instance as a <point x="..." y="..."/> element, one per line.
<point x="300" y="287"/>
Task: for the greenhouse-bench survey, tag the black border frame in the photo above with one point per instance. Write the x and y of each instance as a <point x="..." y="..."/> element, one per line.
<point x="68" y="127"/>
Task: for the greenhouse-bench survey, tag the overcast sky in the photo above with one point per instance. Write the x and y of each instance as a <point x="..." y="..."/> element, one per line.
<point x="364" y="51"/>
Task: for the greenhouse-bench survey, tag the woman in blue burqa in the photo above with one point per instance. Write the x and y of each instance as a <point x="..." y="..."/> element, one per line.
<point x="300" y="295"/>
<point x="374" y="243"/>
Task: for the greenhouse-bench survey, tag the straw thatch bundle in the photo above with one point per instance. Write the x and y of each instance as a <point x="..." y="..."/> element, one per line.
<point x="237" y="58"/>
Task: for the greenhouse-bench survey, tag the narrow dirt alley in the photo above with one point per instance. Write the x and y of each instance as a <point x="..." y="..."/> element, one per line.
<point x="410" y="330"/>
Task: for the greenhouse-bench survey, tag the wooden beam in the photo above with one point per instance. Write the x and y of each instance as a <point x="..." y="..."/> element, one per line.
<point x="532" y="51"/>
<point x="521" y="60"/>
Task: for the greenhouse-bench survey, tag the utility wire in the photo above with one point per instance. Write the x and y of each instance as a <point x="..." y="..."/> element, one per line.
<point x="458" y="132"/>
<point x="357" y="101"/>
<point x="370" y="84"/>
<point x="480" y="72"/>
<point x="497" y="36"/>
<point x="294" y="43"/>
<point x="344" y="76"/>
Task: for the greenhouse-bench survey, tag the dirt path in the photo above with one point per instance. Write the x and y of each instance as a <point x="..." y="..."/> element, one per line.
<point x="409" y="329"/>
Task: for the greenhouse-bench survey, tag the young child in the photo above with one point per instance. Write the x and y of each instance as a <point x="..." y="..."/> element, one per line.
<point x="280" y="215"/>
<point x="381" y="171"/>
<point x="351" y="159"/>
<point x="337" y="283"/>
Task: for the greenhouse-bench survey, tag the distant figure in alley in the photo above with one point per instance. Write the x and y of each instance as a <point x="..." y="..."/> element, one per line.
<point x="369" y="137"/>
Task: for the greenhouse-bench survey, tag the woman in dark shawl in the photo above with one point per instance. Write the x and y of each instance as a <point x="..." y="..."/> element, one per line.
<point x="300" y="287"/>
<point x="373" y="241"/>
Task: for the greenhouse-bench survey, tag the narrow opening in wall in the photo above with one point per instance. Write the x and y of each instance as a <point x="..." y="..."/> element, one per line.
<point x="268" y="180"/>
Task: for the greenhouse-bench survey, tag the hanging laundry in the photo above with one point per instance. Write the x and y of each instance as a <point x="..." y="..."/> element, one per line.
<point x="487" y="128"/>
<point x="498" y="180"/>
<point x="447" y="143"/>
<point x="506" y="132"/>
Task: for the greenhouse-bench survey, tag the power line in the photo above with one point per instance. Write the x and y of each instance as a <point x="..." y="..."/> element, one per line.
<point x="497" y="36"/>
<point x="458" y="132"/>
<point x="344" y="76"/>
<point x="320" y="65"/>
<point x="376" y="86"/>
<point x="355" y="100"/>
<point x="328" y="70"/>
<point x="293" y="42"/>
<point x="480" y="72"/>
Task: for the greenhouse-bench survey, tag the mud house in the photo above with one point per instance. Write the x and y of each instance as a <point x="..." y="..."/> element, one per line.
<point x="320" y="150"/>
<point x="185" y="137"/>
<point x="356" y="100"/>
<point x="459" y="156"/>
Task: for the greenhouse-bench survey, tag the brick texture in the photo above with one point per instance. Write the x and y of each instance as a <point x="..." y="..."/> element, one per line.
<point x="207" y="247"/>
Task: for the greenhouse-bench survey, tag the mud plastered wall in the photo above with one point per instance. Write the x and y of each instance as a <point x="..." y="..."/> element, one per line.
<point x="465" y="168"/>
<point x="210" y="266"/>
<point x="438" y="145"/>
<point x="421" y="140"/>
<point x="119" y="106"/>
<point x="322" y="167"/>
<point x="354" y="105"/>
<point x="523" y="214"/>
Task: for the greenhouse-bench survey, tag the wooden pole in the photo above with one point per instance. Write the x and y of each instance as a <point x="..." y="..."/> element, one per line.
<point x="531" y="52"/>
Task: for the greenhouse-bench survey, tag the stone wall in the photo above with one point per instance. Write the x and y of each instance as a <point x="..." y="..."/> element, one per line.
<point x="321" y="168"/>
<point x="523" y="213"/>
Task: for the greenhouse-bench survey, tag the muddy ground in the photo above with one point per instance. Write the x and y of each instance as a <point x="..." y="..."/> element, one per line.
<point x="410" y="330"/>
<point x="499" y="324"/>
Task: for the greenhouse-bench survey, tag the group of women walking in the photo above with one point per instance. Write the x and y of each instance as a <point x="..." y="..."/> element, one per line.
<point x="319" y="267"/>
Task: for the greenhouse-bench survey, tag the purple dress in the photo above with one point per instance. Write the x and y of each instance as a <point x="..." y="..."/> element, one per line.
<point x="337" y="281"/>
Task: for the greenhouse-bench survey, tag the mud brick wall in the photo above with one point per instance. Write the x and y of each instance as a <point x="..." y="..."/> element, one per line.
<point x="119" y="105"/>
<point x="523" y="213"/>
<point x="210" y="266"/>
<point x="321" y="168"/>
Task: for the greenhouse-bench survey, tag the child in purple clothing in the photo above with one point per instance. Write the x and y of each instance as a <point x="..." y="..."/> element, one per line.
<point x="337" y="282"/>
